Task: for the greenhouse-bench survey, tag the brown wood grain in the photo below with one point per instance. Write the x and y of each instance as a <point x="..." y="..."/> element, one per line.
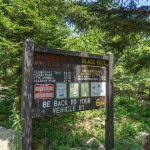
<point x="27" y="94"/>
<point x="109" y="124"/>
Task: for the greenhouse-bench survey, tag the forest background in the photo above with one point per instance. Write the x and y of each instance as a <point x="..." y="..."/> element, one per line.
<point x="97" y="27"/>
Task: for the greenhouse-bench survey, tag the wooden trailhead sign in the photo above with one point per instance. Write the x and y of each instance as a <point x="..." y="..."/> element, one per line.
<point x="58" y="81"/>
<point x="65" y="81"/>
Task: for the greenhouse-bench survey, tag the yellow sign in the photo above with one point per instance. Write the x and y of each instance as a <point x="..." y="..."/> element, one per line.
<point x="91" y="61"/>
<point x="99" y="103"/>
<point x="88" y="61"/>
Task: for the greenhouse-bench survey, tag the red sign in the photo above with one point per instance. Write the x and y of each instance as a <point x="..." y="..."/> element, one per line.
<point x="43" y="91"/>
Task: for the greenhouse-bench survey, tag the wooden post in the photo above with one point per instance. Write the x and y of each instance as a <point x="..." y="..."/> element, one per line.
<point x="27" y="94"/>
<point x="109" y="124"/>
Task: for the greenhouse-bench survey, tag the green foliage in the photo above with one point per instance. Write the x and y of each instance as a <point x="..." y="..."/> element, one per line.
<point x="62" y="130"/>
<point x="127" y="144"/>
<point x="93" y="27"/>
<point x="41" y="21"/>
<point x="6" y="97"/>
<point x="129" y="121"/>
<point x="90" y="42"/>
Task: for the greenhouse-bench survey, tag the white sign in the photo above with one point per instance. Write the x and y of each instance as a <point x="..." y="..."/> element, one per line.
<point x="43" y="91"/>
<point x="61" y="90"/>
<point x="74" y="90"/>
<point x="85" y="90"/>
<point x="98" y="89"/>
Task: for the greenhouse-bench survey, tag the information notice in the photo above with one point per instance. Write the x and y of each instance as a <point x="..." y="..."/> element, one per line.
<point x="66" y="83"/>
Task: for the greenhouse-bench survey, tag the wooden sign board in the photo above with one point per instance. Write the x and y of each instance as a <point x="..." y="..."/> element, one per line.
<point x="67" y="81"/>
<point x="57" y="81"/>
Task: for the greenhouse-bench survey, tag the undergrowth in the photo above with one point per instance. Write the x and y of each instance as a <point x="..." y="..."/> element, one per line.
<point x="62" y="132"/>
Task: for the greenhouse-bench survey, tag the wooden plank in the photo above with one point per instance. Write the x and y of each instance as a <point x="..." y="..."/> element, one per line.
<point x="70" y="53"/>
<point x="27" y="94"/>
<point x="109" y="124"/>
